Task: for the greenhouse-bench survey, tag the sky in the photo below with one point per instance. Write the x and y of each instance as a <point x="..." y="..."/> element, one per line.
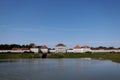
<point x="49" y="22"/>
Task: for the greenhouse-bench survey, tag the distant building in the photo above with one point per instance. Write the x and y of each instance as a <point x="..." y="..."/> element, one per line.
<point x="52" y="50"/>
<point x="86" y="49"/>
<point x="77" y="49"/>
<point x="34" y="49"/>
<point x="19" y="50"/>
<point x="60" y="48"/>
<point x="16" y="50"/>
<point x="44" y="49"/>
<point x="70" y="51"/>
<point x="104" y="50"/>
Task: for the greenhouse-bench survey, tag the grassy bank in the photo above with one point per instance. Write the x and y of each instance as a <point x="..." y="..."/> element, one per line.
<point x="19" y="55"/>
<point x="110" y="56"/>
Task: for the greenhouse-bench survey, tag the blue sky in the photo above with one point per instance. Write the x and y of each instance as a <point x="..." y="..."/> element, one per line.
<point x="72" y="22"/>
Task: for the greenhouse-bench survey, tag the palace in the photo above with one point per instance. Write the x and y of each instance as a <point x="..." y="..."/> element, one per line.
<point x="59" y="48"/>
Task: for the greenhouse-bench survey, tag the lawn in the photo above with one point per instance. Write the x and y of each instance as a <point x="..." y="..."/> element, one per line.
<point x="109" y="56"/>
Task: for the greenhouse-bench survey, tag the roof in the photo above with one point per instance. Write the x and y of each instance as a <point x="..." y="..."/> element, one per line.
<point x="60" y="44"/>
<point x="86" y="46"/>
<point x="77" y="47"/>
<point x="20" y="49"/>
<point x="43" y="47"/>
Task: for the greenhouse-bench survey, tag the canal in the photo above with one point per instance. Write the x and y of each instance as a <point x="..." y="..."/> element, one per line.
<point x="59" y="69"/>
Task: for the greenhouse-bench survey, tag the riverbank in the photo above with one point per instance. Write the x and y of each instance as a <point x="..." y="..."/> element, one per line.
<point x="109" y="56"/>
<point x="19" y="55"/>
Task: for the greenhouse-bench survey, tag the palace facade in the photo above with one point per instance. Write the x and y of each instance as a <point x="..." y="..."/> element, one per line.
<point x="59" y="48"/>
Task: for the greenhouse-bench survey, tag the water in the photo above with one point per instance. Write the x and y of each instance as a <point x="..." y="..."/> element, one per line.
<point x="59" y="69"/>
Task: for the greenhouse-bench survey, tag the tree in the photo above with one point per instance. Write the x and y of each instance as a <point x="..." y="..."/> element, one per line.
<point x="111" y="47"/>
<point x="9" y="46"/>
<point x="101" y="47"/>
<point x="31" y="45"/>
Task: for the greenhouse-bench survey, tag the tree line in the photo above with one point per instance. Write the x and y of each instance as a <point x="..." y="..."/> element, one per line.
<point x="10" y="46"/>
<point x="103" y="47"/>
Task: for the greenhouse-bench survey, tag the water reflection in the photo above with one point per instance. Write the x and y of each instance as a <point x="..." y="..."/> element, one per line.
<point x="58" y="69"/>
<point x="8" y="60"/>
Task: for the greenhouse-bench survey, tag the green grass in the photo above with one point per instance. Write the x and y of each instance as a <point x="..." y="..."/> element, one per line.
<point x="18" y="55"/>
<point x="110" y="56"/>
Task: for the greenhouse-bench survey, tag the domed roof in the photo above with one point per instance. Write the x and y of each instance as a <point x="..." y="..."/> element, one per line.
<point x="77" y="47"/>
<point x="60" y="44"/>
<point x="43" y="47"/>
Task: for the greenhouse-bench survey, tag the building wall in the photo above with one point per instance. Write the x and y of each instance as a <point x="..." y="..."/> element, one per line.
<point x="70" y="51"/>
<point x="102" y="50"/>
<point x="87" y="50"/>
<point x="81" y="50"/>
<point x="14" y="51"/>
<point x="77" y="50"/>
<point x="60" y="49"/>
<point x="35" y="50"/>
<point x="52" y="51"/>
<point x="44" y="50"/>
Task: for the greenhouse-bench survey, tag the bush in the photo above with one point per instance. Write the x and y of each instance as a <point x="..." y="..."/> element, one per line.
<point x="88" y="52"/>
<point x="112" y="52"/>
<point x="28" y="52"/>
